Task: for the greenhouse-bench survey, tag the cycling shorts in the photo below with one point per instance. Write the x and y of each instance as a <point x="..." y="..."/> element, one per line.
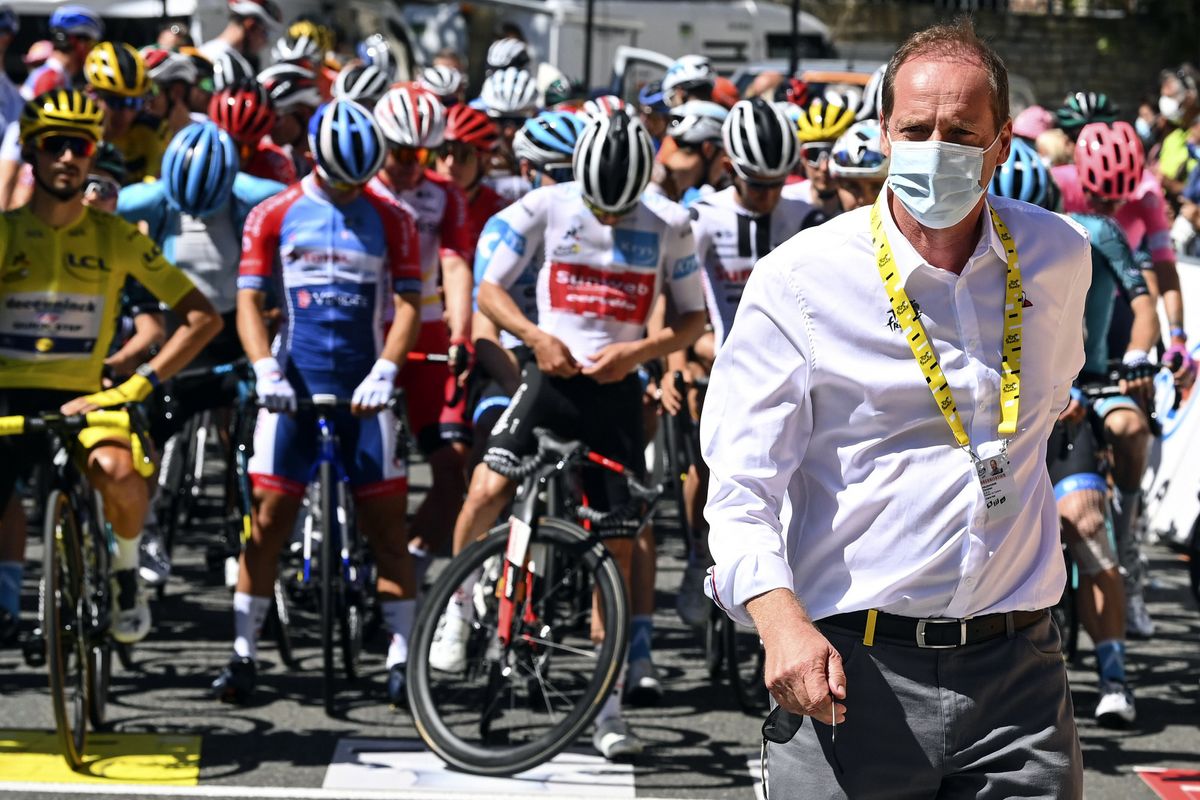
<point x="607" y="417"/>
<point x="1106" y="405"/>
<point x="428" y="389"/>
<point x="1073" y="459"/>
<point x="19" y="454"/>
<point x="285" y="452"/>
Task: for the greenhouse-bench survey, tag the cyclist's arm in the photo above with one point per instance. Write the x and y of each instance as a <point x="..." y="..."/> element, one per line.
<point x="251" y="327"/>
<point x="199" y="322"/>
<point x="457" y="285"/>
<point x="497" y="304"/>
<point x="149" y="330"/>
<point x="406" y="325"/>
<point x="495" y="360"/>
<point x="1144" y="333"/>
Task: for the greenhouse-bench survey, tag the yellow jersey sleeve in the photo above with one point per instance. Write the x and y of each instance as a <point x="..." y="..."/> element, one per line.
<point x="145" y="261"/>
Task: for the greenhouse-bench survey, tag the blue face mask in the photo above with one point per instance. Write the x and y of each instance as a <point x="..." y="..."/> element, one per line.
<point x="1144" y="129"/>
<point x="938" y="182"/>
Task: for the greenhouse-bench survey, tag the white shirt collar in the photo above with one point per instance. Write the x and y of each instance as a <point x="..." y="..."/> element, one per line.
<point x="908" y="260"/>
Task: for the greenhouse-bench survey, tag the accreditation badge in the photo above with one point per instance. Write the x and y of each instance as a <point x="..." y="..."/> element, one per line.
<point x="994" y="472"/>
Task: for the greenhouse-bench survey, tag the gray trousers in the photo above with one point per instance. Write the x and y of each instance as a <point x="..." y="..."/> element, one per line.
<point x="992" y="720"/>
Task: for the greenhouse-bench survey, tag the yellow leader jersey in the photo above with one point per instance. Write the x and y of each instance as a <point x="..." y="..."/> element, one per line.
<point x="60" y="291"/>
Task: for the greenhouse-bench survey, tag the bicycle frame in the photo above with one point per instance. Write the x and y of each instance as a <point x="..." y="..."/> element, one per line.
<point x="327" y="454"/>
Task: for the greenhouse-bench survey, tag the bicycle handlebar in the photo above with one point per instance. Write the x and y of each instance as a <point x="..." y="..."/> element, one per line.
<point x="129" y="420"/>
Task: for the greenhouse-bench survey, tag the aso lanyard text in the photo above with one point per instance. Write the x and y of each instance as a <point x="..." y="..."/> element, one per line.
<point x="922" y="347"/>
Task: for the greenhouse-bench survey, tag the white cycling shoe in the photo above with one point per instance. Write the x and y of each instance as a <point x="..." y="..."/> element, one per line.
<point x="615" y="741"/>
<point x="448" y="653"/>
<point x="1138" y="624"/>
<point x="130" y="611"/>
<point x="1115" y="709"/>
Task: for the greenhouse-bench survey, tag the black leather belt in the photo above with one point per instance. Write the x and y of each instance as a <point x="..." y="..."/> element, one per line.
<point x="934" y="633"/>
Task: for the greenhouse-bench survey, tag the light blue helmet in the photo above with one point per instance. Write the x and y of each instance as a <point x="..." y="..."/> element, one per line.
<point x="548" y="140"/>
<point x="346" y="142"/>
<point x="198" y="168"/>
<point x="77" y="21"/>
<point x="1025" y="177"/>
<point x="8" y="20"/>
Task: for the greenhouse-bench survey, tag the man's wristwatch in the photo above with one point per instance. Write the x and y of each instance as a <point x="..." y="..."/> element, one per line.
<point x="147" y="372"/>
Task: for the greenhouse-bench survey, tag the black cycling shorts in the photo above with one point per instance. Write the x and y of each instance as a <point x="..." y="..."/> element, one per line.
<point x="1074" y="459"/>
<point x="19" y="454"/>
<point x="607" y="417"/>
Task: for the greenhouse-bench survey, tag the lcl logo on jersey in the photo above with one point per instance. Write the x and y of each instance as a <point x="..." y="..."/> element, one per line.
<point x="76" y="263"/>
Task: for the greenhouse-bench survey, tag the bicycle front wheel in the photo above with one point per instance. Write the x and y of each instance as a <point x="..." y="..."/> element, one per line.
<point x="64" y="622"/>
<point x="513" y="707"/>
<point x="329" y="567"/>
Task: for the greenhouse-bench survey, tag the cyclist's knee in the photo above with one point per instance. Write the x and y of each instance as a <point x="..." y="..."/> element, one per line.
<point x="1086" y="533"/>
<point x="274" y="511"/>
<point x="1127" y="425"/>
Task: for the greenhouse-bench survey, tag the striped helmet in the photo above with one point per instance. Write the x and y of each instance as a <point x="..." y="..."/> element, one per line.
<point x="612" y="163"/>
<point x="411" y="116"/>
<point x="445" y="82"/>
<point x="116" y="68"/>
<point x="244" y="111"/>
<point x="471" y="126"/>
<point x="363" y="83"/>
<point x="1025" y="177"/>
<point x="198" y="168"/>
<point x="825" y="121"/>
<point x="507" y="52"/>
<point x="510" y="92"/>
<point x="62" y="111"/>
<point x="759" y="140"/>
<point x="346" y="143"/>
<point x="605" y="105"/>
<point x="299" y="46"/>
<point x="548" y="140"/>
<point x="230" y="68"/>
<point x="375" y="51"/>
<point x="291" y="87"/>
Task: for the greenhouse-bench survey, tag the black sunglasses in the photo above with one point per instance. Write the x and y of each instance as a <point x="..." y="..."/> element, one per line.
<point x="55" y="144"/>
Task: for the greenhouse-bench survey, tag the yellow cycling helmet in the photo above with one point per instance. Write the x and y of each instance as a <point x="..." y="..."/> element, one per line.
<point x="823" y="121"/>
<point x="116" y="68"/>
<point x="62" y="111"/>
<point x="317" y="33"/>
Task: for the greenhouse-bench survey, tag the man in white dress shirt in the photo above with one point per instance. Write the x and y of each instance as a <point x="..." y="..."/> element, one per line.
<point x="877" y="366"/>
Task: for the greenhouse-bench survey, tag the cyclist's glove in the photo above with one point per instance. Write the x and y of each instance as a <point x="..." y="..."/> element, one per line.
<point x="462" y="356"/>
<point x="377" y="388"/>
<point x="1136" y="366"/>
<point x="1178" y="357"/>
<point x="134" y="390"/>
<point x="273" y="390"/>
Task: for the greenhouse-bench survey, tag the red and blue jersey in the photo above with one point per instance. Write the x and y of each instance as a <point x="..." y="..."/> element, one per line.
<point x="334" y="269"/>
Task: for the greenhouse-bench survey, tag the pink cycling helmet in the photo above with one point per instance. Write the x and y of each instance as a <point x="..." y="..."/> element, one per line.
<point x="1109" y="160"/>
<point x="1033" y="122"/>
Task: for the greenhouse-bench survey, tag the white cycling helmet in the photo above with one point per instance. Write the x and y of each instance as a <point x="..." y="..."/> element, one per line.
<point x="760" y="140"/>
<point x="411" y="116"/>
<point x="302" y="47"/>
<point x="364" y="83"/>
<point x="510" y="92"/>
<point x="505" y="53"/>
<point x="872" y="96"/>
<point x="376" y="51"/>
<point x="857" y="153"/>
<point x="443" y="81"/>
<point x="612" y="162"/>
<point x="697" y="121"/>
<point x="605" y="106"/>
<point x="292" y="87"/>
<point x="689" y="72"/>
<point x="229" y="69"/>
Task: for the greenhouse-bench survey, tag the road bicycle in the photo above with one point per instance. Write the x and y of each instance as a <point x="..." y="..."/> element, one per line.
<point x="551" y="623"/>
<point x="75" y="593"/>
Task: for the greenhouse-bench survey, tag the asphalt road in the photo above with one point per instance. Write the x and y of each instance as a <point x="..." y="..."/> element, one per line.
<point x="701" y="744"/>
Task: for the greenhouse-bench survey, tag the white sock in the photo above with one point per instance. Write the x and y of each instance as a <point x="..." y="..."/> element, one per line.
<point x="398" y="617"/>
<point x="127" y="553"/>
<point x="462" y="603"/>
<point x="612" y="706"/>
<point x="421" y="559"/>
<point x="249" y="611"/>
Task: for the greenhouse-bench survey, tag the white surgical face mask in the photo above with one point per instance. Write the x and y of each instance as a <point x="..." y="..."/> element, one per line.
<point x="1171" y="108"/>
<point x="938" y="182"/>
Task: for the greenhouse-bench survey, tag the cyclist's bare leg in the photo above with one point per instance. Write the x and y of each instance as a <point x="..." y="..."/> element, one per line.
<point x="1101" y="596"/>
<point x="13" y="531"/>
<point x="433" y="524"/>
<point x="271" y="524"/>
<point x="644" y="570"/>
<point x="487" y="495"/>
<point x="1128" y="432"/>
<point x="382" y="522"/>
<point x="695" y="494"/>
<point x="126" y="496"/>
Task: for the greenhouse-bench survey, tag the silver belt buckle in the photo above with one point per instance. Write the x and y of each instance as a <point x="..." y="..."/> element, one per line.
<point x="921" y="623"/>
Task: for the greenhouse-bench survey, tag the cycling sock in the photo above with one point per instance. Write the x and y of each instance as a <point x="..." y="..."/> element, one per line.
<point x="612" y="706"/>
<point x="641" y="634"/>
<point x="127" y="553"/>
<point x="398" y="617"/>
<point x="11" y="573"/>
<point x="461" y="606"/>
<point x="1110" y="660"/>
<point x="249" y="611"/>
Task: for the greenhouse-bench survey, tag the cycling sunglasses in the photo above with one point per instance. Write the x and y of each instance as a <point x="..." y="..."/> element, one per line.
<point x="870" y="159"/>
<point x="763" y="186"/>
<point x="509" y="122"/>
<point x="816" y="151"/>
<point x="412" y="155"/>
<point x="101" y="188"/>
<point x="460" y="150"/>
<point x="559" y="173"/>
<point x="118" y="102"/>
<point x="55" y="144"/>
<point x="602" y="215"/>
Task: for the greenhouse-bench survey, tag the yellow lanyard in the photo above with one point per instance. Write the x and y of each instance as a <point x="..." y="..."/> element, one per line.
<point x="922" y="347"/>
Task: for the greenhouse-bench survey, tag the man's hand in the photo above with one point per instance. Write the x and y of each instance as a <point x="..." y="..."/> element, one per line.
<point x="1185" y="374"/>
<point x="670" y="397"/>
<point x="461" y="359"/>
<point x="273" y="390"/>
<point x="134" y="390"/>
<point x="375" y="390"/>
<point x="1073" y="413"/>
<point x="612" y="363"/>
<point x="1138" y="378"/>
<point x="553" y="357"/>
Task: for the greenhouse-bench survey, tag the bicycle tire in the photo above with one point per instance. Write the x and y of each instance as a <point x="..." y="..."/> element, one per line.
<point x="348" y="598"/>
<point x="744" y="662"/>
<point x="280" y="618"/>
<point x="96" y="564"/>
<point x="327" y="575"/>
<point x="178" y="487"/>
<point x="442" y="733"/>
<point x="1193" y="553"/>
<point x="66" y="650"/>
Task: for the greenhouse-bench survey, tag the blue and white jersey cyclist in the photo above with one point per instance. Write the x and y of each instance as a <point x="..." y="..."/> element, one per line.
<point x="336" y="256"/>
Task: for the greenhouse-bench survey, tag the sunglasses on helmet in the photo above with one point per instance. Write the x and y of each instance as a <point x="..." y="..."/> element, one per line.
<point x="868" y="160"/>
<point x="55" y="144"/>
<point x="118" y="102"/>
<point x="813" y="153"/>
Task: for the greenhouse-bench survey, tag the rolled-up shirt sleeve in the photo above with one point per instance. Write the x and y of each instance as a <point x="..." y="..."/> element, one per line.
<point x="754" y="432"/>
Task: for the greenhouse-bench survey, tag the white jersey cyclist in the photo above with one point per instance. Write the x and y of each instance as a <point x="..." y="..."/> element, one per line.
<point x="729" y="242"/>
<point x="598" y="283"/>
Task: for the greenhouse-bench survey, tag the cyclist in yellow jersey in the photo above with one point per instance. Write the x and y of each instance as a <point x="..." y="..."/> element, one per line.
<point x="62" y="268"/>
<point x="118" y="81"/>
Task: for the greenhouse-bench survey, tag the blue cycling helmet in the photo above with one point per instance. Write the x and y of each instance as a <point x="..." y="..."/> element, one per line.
<point x="198" y="168"/>
<point x="8" y="20"/>
<point x="650" y="97"/>
<point x="1024" y="177"/>
<point x="77" y="21"/>
<point x="548" y="140"/>
<point x="346" y="142"/>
